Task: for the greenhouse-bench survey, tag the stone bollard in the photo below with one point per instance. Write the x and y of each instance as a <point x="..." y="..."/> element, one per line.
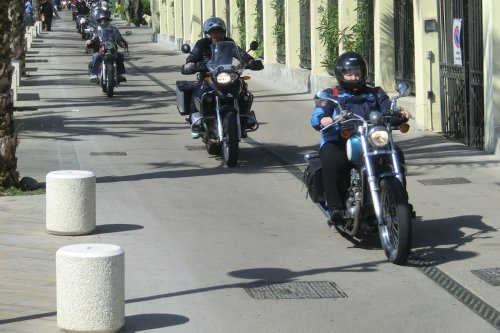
<point x="32" y="31"/>
<point x="16" y="75"/>
<point x="15" y="79"/>
<point x="90" y="288"/>
<point x="38" y="25"/>
<point x="70" y="201"/>
<point x="29" y="40"/>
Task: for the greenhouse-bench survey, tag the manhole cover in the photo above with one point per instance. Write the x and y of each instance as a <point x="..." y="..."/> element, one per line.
<point x="294" y="290"/>
<point x="490" y="275"/>
<point x="192" y="148"/>
<point x="40" y="123"/>
<point x="108" y="153"/>
<point x="444" y="181"/>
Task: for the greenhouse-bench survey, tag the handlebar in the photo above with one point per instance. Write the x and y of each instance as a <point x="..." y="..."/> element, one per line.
<point x="193" y="68"/>
<point x="346" y="117"/>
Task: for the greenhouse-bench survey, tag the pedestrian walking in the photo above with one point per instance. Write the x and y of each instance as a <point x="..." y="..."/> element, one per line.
<point x="126" y="10"/>
<point x="54" y="7"/>
<point x="28" y="13"/>
<point x="138" y="12"/>
<point x="47" y="15"/>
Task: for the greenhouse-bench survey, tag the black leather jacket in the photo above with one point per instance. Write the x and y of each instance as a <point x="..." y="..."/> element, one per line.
<point x="202" y="50"/>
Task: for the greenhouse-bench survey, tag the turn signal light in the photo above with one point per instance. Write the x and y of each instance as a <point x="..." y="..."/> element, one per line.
<point x="403" y="128"/>
<point x="207" y="78"/>
<point x="345" y="133"/>
<point x="246" y="77"/>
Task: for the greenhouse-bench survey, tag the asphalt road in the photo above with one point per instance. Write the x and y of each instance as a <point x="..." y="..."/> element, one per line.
<point x="199" y="237"/>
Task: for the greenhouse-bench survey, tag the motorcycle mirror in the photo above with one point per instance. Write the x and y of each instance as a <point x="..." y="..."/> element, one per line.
<point x="322" y="98"/>
<point x="404" y="88"/>
<point x="254" y="46"/>
<point x="185" y="48"/>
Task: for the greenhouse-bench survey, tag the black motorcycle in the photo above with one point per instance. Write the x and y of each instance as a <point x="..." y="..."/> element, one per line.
<point x="375" y="197"/>
<point x="82" y="22"/>
<point x="222" y="115"/>
<point x="108" y="51"/>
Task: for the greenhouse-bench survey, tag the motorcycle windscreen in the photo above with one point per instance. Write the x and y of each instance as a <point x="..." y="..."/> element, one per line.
<point x="108" y="34"/>
<point x="226" y="56"/>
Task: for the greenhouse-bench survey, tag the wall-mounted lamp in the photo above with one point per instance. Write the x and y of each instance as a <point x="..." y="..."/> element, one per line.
<point x="430" y="25"/>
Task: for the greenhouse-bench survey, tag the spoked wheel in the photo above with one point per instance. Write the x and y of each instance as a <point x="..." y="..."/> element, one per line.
<point x="230" y="143"/>
<point x="110" y="81"/>
<point x="395" y="233"/>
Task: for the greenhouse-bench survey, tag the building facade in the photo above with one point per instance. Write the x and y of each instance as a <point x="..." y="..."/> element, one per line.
<point x="446" y="49"/>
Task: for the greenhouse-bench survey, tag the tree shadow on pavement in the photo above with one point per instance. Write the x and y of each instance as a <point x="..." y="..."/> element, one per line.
<point x="266" y="275"/>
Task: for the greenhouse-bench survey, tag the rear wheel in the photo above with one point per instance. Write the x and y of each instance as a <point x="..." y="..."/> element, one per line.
<point x="110" y="80"/>
<point x="230" y="142"/>
<point x="395" y="233"/>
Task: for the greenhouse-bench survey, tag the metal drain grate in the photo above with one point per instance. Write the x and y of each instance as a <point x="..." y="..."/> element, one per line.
<point x="108" y="153"/>
<point x="36" y="60"/>
<point x="294" y="290"/>
<point x="444" y="181"/>
<point x="193" y="148"/>
<point x="490" y="275"/>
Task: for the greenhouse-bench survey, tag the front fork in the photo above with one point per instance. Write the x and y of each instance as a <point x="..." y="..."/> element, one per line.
<point x="373" y="180"/>
<point x="220" y="117"/>
<point x="104" y="71"/>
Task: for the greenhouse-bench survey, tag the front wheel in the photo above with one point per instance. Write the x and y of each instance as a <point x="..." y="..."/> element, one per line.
<point x="110" y="80"/>
<point x="395" y="232"/>
<point x="231" y="140"/>
<point x="213" y="148"/>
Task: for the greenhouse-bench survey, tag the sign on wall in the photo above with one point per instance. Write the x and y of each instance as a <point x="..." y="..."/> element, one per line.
<point x="457" y="48"/>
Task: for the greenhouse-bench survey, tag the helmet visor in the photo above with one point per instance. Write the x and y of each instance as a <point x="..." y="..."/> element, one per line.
<point x="352" y="71"/>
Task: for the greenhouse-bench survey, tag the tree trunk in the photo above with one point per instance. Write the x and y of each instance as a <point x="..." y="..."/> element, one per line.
<point x="18" y="34"/>
<point x="8" y="135"/>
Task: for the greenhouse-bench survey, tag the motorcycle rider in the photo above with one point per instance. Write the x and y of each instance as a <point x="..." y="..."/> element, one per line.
<point x="104" y="19"/>
<point x="355" y="96"/>
<point x="215" y="30"/>
<point x="80" y="9"/>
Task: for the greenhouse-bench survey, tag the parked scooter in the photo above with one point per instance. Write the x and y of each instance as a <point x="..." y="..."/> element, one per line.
<point x="222" y="115"/>
<point x="375" y="198"/>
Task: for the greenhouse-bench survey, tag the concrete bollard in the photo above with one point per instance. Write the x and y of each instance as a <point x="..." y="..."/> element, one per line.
<point x="70" y="202"/>
<point x="38" y="25"/>
<point x="32" y="31"/>
<point x="90" y="288"/>
<point x="16" y="75"/>
<point x="29" y="39"/>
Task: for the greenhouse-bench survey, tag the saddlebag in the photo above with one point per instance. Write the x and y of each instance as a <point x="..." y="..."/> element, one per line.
<point x="183" y="93"/>
<point x="313" y="180"/>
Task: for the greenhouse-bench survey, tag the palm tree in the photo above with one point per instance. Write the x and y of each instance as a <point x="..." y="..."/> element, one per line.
<point x="8" y="135"/>
<point x="18" y="30"/>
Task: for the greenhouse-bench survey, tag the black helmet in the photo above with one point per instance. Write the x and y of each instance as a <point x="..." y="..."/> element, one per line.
<point x="214" y="23"/>
<point x="103" y="14"/>
<point x="345" y="63"/>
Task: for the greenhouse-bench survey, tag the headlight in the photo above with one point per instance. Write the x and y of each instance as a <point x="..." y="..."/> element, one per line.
<point x="378" y="136"/>
<point x="82" y="20"/>
<point x="226" y="78"/>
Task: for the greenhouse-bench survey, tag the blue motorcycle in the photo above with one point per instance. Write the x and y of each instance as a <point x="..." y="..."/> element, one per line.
<point x="375" y="197"/>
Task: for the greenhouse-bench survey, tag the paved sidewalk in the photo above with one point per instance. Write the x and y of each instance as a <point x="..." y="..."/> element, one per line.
<point x="455" y="190"/>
